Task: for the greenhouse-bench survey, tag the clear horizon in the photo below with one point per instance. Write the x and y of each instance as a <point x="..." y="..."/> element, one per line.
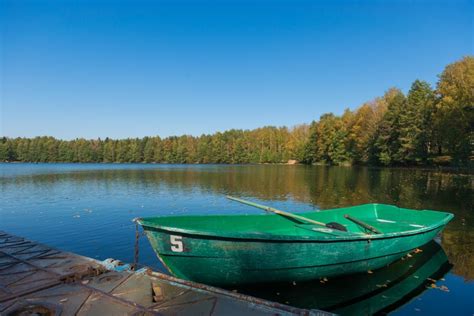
<point x="78" y="69"/>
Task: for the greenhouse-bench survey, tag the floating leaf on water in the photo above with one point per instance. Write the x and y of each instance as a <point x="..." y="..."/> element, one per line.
<point x="370" y="271"/>
<point x="444" y="288"/>
<point x="409" y="255"/>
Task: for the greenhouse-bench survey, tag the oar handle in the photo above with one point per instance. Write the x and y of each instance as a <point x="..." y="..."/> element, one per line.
<point x="361" y="223"/>
<point x="273" y="210"/>
<point x="263" y="207"/>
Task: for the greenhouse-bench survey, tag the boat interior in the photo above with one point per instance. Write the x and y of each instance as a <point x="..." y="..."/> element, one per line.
<point x="385" y="219"/>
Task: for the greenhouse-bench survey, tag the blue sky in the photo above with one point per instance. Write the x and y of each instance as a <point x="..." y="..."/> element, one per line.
<point x="141" y="68"/>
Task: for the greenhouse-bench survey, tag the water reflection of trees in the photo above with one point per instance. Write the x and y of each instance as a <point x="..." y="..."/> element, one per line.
<point x="459" y="246"/>
<point x="324" y="187"/>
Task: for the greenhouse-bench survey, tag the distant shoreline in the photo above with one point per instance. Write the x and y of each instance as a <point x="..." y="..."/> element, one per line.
<point x="447" y="169"/>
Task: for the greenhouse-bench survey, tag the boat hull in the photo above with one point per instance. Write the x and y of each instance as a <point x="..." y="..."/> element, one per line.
<point x="231" y="261"/>
<point x="380" y="292"/>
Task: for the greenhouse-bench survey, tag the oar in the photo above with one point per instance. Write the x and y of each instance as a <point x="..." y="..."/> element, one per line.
<point x="331" y="225"/>
<point x="361" y="223"/>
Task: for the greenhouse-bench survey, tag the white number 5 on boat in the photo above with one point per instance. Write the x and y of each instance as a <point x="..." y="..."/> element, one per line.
<point x="176" y="243"/>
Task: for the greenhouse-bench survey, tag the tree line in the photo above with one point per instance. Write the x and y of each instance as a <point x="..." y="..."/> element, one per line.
<point x="425" y="126"/>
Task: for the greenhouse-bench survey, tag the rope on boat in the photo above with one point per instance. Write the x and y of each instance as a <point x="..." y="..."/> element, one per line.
<point x="137" y="245"/>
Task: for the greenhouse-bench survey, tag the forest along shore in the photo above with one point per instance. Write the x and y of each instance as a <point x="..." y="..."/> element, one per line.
<point x="426" y="127"/>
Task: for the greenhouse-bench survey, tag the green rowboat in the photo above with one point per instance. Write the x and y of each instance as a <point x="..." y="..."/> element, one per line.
<point x="244" y="249"/>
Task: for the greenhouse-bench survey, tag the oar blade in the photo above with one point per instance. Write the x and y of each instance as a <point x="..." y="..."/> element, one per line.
<point x="336" y="226"/>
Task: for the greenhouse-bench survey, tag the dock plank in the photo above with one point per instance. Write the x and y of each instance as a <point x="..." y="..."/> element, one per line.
<point x="35" y="277"/>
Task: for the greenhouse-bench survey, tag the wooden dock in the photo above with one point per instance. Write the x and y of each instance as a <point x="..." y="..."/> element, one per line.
<point x="40" y="280"/>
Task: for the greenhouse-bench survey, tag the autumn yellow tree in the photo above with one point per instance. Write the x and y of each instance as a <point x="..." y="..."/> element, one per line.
<point x="454" y="117"/>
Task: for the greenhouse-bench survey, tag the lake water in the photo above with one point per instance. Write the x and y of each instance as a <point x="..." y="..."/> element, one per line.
<point x="88" y="209"/>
